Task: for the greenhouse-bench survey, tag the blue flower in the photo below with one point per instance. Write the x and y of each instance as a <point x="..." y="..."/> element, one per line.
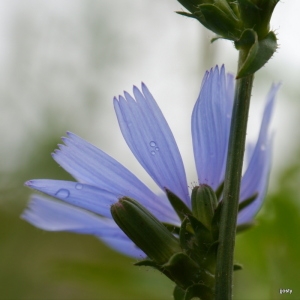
<point x="101" y="180"/>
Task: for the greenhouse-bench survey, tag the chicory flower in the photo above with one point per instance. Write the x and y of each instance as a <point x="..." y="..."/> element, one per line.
<point x="84" y="205"/>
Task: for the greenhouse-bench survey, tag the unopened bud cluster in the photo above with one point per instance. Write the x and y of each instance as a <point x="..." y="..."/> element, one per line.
<point x="185" y="254"/>
<point x="245" y="22"/>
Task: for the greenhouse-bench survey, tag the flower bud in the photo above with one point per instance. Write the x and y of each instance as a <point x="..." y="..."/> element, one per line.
<point x="204" y="203"/>
<point x="145" y="230"/>
<point x="256" y="14"/>
<point x="217" y="16"/>
<point x="245" y="22"/>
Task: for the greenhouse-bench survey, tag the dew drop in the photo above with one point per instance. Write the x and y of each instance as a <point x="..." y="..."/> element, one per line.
<point x="78" y="186"/>
<point x="157" y="149"/>
<point x="152" y="144"/>
<point x="153" y="153"/>
<point x="62" y="193"/>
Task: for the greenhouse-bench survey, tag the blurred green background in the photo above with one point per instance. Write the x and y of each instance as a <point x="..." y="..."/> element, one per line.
<point x="61" y="64"/>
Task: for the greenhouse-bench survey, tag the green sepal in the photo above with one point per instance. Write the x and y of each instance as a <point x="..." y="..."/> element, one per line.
<point x="246" y="40"/>
<point x="147" y="263"/>
<point x="153" y="264"/>
<point x="204" y="203"/>
<point x="219" y="190"/>
<point x="257" y="14"/>
<point x="179" y="206"/>
<point x="203" y="237"/>
<point x="192" y="5"/>
<point x="182" y="13"/>
<point x="185" y="236"/>
<point x="210" y="259"/>
<point x="178" y="293"/>
<point x="245" y="226"/>
<point x="215" y="38"/>
<point x="172" y="228"/>
<point x="221" y="21"/>
<point x="237" y="267"/>
<point x="199" y="291"/>
<point x="247" y="201"/>
<point x="258" y="55"/>
<point x="199" y="228"/>
<point x="183" y="270"/>
<point x="215" y="223"/>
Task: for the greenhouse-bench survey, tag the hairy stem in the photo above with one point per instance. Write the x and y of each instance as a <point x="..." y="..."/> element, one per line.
<point x="236" y="147"/>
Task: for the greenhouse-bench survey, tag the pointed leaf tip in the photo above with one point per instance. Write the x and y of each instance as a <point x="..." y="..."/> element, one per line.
<point x="258" y="55"/>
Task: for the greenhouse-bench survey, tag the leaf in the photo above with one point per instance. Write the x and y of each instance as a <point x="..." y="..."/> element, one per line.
<point x="199" y="291"/>
<point x="220" y="21"/>
<point x="185" y="236"/>
<point x="182" y="13"/>
<point x="182" y="269"/>
<point x="181" y="209"/>
<point x="243" y="227"/>
<point x="237" y="267"/>
<point x="258" y="55"/>
<point x="215" y="223"/>
<point x="178" y="293"/>
<point x="247" y="39"/>
<point x="219" y="190"/>
<point x="247" y="201"/>
<point x="147" y="263"/>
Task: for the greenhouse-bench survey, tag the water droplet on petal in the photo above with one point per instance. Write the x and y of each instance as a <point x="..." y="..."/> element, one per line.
<point x="153" y="153"/>
<point x="157" y="149"/>
<point x="62" y="193"/>
<point x="78" y="186"/>
<point x="152" y="144"/>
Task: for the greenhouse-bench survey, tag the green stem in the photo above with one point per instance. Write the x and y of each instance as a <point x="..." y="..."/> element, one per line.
<point x="224" y="269"/>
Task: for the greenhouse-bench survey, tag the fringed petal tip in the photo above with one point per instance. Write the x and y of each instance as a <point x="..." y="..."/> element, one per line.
<point x="210" y="126"/>
<point x="151" y="141"/>
<point x="82" y="195"/>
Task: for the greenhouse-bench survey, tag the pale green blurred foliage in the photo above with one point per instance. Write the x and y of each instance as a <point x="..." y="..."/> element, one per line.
<point x="60" y="74"/>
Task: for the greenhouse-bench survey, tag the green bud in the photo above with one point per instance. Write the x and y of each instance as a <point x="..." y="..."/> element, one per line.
<point x="148" y="233"/>
<point x="256" y="14"/>
<point x="204" y="203"/>
<point x="228" y="19"/>
<point x="218" y="16"/>
<point x="245" y="22"/>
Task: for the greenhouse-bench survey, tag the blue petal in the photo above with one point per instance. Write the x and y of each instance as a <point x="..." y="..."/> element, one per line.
<point x="125" y="246"/>
<point x="210" y="126"/>
<point x="92" y="166"/>
<point x="255" y="179"/>
<point x="82" y="195"/>
<point x="56" y="216"/>
<point x="151" y="140"/>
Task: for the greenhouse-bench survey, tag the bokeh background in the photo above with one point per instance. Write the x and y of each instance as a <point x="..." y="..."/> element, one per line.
<point x="61" y="63"/>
